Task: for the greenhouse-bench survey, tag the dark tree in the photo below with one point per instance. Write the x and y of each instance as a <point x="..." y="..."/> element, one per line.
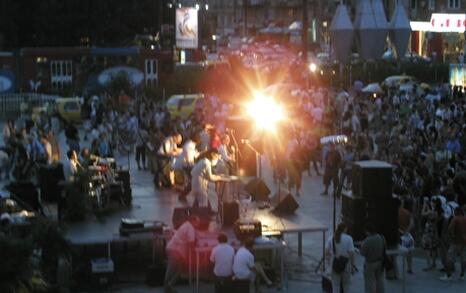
<point x="29" y="23"/>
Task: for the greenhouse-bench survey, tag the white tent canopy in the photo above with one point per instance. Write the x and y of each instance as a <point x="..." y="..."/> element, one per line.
<point x="366" y="30"/>
<point x="342" y="31"/>
<point x="400" y="30"/>
<point x="382" y="28"/>
<point x="373" y="88"/>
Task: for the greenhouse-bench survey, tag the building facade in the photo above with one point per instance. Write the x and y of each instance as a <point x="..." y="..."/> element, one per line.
<point x="439" y="28"/>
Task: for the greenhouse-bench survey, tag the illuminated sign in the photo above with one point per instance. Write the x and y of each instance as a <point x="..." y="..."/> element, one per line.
<point x="186" y="28"/>
<point x="458" y="74"/>
<point x="442" y="23"/>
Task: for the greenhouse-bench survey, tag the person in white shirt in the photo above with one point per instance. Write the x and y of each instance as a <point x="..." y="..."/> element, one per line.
<point x="227" y="154"/>
<point x="201" y="176"/>
<point x="166" y="152"/>
<point x="70" y="167"/>
<point x="204" y="138"/>
<point x="222" y="257"/>
<point x="245" y="268"/>
<point x="185" y="162"/>
<point x="341" y="244"/>
<point x="178" y="251"/>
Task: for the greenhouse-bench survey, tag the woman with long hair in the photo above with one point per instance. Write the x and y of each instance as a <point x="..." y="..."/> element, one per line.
<point x="341" y="245"/>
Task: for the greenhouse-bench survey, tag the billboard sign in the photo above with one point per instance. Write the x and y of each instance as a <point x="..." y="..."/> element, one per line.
<point x="186" y="28"/>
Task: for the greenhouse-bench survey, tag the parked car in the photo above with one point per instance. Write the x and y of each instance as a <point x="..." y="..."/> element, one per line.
<point x="184" y="105"/>
<point x="396" y="80"/>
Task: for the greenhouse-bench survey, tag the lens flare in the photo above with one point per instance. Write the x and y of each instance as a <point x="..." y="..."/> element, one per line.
<point x="265" y="111"/>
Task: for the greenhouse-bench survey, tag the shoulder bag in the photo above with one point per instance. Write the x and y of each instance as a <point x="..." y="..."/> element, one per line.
<point x="339" y="262"/>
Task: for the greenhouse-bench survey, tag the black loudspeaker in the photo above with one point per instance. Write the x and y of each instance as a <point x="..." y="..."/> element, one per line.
<point x="230" y="212"/>
<point x="124" y="177"/>
<point x="181" y="215"/>
<point x="49" y="177"/>
<point x="284" y="203"/>
<point x="25" y="192"/>
<point x="257" y="189"/>
<point x="372" y="179"/>
<point x="242" y="130"/>
<point x="155" y="275"/>
<point x="382" y="212"/>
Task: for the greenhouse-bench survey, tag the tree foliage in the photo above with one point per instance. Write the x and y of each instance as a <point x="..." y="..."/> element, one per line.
<point x="25" y="23"/>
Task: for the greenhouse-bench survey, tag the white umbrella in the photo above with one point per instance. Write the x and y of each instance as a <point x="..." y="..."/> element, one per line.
<point x="373" y="88"/>
<point x="335" y="139"/>
<point x="343" y="94"/>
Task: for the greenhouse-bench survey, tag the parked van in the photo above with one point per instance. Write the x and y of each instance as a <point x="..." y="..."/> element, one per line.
<point x="184" y="105"/>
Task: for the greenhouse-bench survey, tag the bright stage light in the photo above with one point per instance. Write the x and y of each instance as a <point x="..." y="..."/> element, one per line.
<point x="312" y="67"/>
<point x="265" y="111"/>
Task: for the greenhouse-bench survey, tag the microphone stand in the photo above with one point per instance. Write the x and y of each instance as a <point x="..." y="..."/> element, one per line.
<point x="237" y="151"/>
<point x="246" y="142"/>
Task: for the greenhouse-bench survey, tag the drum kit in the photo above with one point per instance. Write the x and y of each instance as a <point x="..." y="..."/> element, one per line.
<point x="103" y="184"/>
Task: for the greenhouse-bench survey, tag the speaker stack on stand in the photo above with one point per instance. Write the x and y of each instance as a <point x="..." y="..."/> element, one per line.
<point x="371" y="200"/>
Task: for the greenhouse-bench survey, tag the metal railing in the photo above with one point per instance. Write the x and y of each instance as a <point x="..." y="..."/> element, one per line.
<point x="10" y="103"/>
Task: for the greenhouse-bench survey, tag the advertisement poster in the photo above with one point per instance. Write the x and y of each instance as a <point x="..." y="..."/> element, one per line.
<point x="458" y="74"/>
<point x="186" y="28"/>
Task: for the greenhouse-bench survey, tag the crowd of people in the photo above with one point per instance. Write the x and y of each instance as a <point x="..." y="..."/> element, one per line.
<point x="421" y="134"/>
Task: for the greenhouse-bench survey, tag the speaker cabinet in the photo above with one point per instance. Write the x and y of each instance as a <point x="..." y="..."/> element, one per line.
<point x="182" y="214"/>
<point x="49" y="177"/>
<point x="257" y="189"/>
<point x="382" y="212"/>
<point x="155" y="275"/>
<point x="284" y="203"/>
<point x="230" y="212"/>
<point x="372" y="179"/>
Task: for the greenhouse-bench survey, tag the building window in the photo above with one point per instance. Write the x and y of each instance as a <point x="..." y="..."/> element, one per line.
<point x="413" y="4"/>
<point x="454" y="4"/>
<point x="61" y="74"/>
<point x="151" y="71"/>
<point x="431" y="4"/>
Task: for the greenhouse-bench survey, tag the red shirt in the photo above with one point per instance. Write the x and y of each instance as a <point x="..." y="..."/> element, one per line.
<point x="457" y="229"/>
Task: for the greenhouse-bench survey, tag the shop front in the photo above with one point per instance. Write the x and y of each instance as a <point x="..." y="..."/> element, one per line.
<point x="441" y="39"/>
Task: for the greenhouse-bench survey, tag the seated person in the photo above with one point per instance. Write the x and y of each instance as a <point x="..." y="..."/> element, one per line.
<point x="178" y="251"/>
<point x="244" y="267"/>
<point x="222" y="257"/>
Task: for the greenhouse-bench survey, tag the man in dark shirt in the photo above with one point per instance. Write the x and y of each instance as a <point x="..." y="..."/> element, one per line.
<point x="373" y="251"/>
<point x="457" y="230"/>
<point x="332" y="165"/>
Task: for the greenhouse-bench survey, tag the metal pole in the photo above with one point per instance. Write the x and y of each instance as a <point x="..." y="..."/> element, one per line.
<point x="245" y="8"/>
<point x="304" y="33"/>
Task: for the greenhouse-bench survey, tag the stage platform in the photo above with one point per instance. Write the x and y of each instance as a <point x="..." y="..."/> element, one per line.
<point x="105" y="229"/>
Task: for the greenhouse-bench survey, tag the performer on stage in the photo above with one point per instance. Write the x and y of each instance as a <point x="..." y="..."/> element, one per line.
<point x="70" y="168"/>
<point x="201" y="175"/>
<point x="227" y="153"/>
<point x="166" y="152"/>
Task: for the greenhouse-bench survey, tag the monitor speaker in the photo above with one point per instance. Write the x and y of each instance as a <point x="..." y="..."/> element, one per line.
<point x="284" y="203"/>
<point x="257" y="189"/>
